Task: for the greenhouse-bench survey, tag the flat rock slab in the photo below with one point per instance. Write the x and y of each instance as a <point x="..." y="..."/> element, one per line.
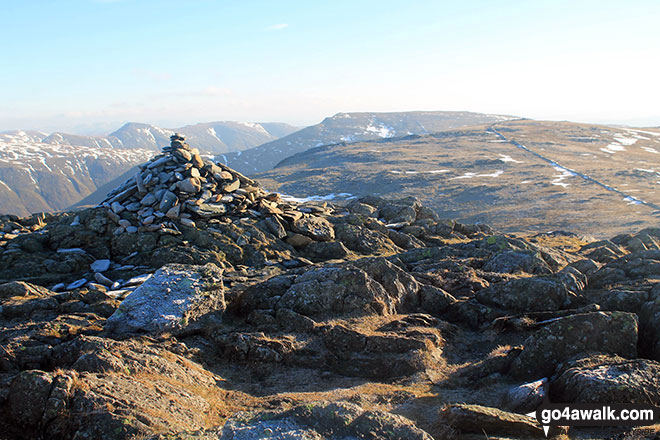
<point x="175" y="297"/>
<point x="490" y="421"/>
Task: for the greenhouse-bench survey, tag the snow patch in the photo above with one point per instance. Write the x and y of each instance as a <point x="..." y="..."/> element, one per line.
<point x="325" y="198"/>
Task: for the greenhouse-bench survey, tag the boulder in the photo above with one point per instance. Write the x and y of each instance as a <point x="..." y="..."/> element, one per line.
<point x="488" y="422"/>
<point x="526" y="294"/>
<point x="175" y="297"/>
<point x="608" y="379"/>
<point x="316" y="228"/>
<point x="560" y="339"/>
<point x="517" y="261"/>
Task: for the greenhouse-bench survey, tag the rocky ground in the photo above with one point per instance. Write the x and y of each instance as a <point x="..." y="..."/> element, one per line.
<point x="194" y="305"/>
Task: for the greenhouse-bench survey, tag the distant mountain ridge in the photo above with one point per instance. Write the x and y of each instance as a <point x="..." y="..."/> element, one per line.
<point x="209" y="137"/>
<point x="352" y="127"/>
<point x="51" y="172"/>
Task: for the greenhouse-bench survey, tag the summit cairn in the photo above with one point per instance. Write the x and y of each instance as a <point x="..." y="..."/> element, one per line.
<point x="179" y="187"/>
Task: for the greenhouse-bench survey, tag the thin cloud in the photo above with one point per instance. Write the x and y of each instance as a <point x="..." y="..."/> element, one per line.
<point x="277" y="27"/>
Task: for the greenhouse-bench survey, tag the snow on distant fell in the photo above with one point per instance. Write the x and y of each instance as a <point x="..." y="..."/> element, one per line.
<point x="255" y="126"/>
<point x="380" y="130"/>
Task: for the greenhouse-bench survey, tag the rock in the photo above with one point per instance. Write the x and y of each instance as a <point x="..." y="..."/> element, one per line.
<point x="563" y="338"/>
<point x="527" y="397"/>
<point x="190" y="185"/>
<point x="176" y="297"/>
<point x="117" y="207"/>
<point x="100" y="265"/>
<point x="208" y="210"/>
<point x="275" y="227"/>
<point x="434" y="300"/>
<point x="167" y="201"/>
<point x="325" y="250"/>
<point x="173" y="212"/>
<point x="187" y="222"/>
<point x="517" y="261"/>
<point x="365" y="241"/>
<point x="232" y="186"/>
<point x="21" y="288"/>
<point x="357" y="207"/>
<point x="526" y="294"/>
<point x="28" y="394"/>
<point x="299" y="240"/>
<point x="316" y="228"/>
<point x="77" y="284"/>
<point x="148" y="200"/>
<point x="335" y="290"/>
<point x="322" y="420"/>
<point x="489" y="421"/>
<point x="608" y="379"/>
<point x="99" y="277"/>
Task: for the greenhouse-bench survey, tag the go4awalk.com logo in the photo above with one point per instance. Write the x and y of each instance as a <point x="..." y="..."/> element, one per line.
<point x="595" y="414"/>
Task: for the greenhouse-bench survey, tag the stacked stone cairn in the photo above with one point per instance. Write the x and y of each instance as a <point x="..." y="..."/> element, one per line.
<point x="179" y="187"/>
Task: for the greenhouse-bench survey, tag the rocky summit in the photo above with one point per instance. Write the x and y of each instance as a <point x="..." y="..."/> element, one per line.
<point x="193" y="304"/>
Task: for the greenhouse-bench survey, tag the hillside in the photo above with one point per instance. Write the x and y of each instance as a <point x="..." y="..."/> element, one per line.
<point x="516" y="175"/>
<point x="194" y="304"/>
<point x="351" y="127"/>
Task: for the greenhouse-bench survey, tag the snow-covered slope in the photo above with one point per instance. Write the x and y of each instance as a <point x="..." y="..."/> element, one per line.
<point x="46" y="173"/>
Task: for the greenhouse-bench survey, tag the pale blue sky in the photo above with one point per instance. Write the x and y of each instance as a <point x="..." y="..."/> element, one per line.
<point x="98" y="63"/>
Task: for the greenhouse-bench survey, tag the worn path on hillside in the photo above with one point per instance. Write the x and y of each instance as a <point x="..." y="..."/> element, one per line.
<point x="556" y="164"/>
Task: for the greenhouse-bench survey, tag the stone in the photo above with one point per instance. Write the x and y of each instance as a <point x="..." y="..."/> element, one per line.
<point x="187" y="222"/>
<point x="319" y="421"/>
<point x="232" y="186"/>
<point x="173" y="212"/>
<point x="100" y="278"/>
<point x="190" y="185"/>
<point x="197" y="161"/>
<point x="275" y="227"/>
<point x="209" y="210"/>
<point x="299" y="240"/>
<point x="608" y="379"/>
<point x="434" y="300"/>
<point x="316" y="228"/>
<point x="563" y="338"/>
<point x="176" y="297"/>
<point x="77" y="284"/>
<point x="117" y="207"/>
<point x="100" y="265"/>
<point x="526" y="294"/>
<point x="148" y="199"/>
<point x="167" y="201"/>
<point x="517" y="261"/>
<point x="489" y="422"/>
<point x="527" y="397"/>
<point x="21" y="288"/>
<point x="28" y="394"/>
